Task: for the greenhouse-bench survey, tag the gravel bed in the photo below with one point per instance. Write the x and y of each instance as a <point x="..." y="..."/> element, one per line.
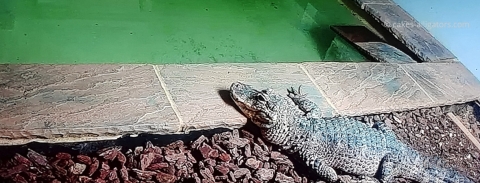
<point x="231" y="156"/>
<point x="225" y="157"/>
<point x="433" y="133"/>
<point x="469" y="114"/>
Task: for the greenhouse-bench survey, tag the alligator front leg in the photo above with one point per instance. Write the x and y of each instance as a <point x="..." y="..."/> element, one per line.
<point x="310" y="109"/>
<point x="324" y="171"/>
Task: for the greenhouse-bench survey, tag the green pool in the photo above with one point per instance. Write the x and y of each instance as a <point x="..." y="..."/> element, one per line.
<point x="172" y="31"/>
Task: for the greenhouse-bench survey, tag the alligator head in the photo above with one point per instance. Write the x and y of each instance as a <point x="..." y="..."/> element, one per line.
<point x="264" y="107"/>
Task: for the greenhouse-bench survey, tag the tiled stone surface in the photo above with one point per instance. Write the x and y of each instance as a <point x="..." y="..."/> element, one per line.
<point x="55" y="101"/>
<point x="445" y="83"/>
<point x="362" y="3"/>
<point x="362" y="88"/>
<point x="409" y="31"/>
<point x="383" y="52"/>
<point x="196" y="90"/>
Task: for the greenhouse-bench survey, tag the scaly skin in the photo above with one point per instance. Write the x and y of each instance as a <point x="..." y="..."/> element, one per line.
<point x="327" y="145"/>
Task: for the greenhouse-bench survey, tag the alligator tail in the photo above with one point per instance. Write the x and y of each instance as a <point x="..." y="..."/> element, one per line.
<point x="436" y="171"/>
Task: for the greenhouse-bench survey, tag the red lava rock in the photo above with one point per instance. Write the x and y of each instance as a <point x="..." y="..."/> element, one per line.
<point x="165" y="178"/>
<point x="78" y="168"/>
<point x="248" y="151"/>
<point x="232" y="176"/>
<point x="190" y="157"/>
<point x="84" y="159"/>
<point x="241" y="172"/>
<point x="124" y="173"/>
<point x="100" y="181"/>
<point x="56" y="181"/>
<point x="260" y="153"/>
<point x="38" y="159"/>
<point x="60" y="170"/>
<point x="252" y="163"/>
<point x="239" y="142"/>
<point x="170" y="170"/>
<point x="84" y="179"/>
<point x="182" y="172"/>
<point x="15" y="170"/>
<point x="109" y="153"/>
<point x="221" y="177"/>
<point x="282" y="168"/>
<point x="93" y="167"/>
<point x="220" y="149"/>
<point x="207" y="174"/>
<point x="31" y="177"/>
<point x="282" y="178"/>
<point x="196" y="144"/>
<point x="248" y="135"/>
<point x="157" y="166"/>
<point x="144" y="175"/>
<point x="19" y="179"/>
<point x="223" y="170"/>
<point x="205" y="150"/>
<point x="213" y="153"/>
<point x="63" y="156"/>
<point x="121" y="158"/>
<point x="148" y="147"/>
<point x="255" y="180"/>
<point x="232" y="166"/>
<point x="112" y="175"/>
<point x="138" y="150"/>
<point x="295" y="176"/>
<point x="22" y="160"/>
<point x="103" y="173"/>
<point x="224" y="157"/>
<point x="146" y="160"/>
<point x="264" y="174"/>
<point x="175" y="157"/>
<point x="275" y="155"/>
<point x="210" y="162"/>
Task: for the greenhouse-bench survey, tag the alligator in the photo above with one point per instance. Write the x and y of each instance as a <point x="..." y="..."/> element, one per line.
<point x="327" y="145"/>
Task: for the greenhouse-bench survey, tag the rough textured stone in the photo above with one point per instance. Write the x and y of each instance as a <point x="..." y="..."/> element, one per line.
<point x="362" y="88"/>
<point x="383" y="52"/>
<point x="409" y="31"/>
<point x="362" y="2"/>
<point x="445" y="83"/>
<point x="204" y="82"/>
<point x="81" y="101"/>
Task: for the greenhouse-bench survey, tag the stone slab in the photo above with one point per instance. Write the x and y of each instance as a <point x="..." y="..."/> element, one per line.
<point x="200" y="91"/>
<point x="384" y="52"/>
<point x="409" y="31"/>
<point x="362" y="3"/>
<point x="366" y="88"/>
<point x="61" y="103"/>
<point x="445" y="83"/>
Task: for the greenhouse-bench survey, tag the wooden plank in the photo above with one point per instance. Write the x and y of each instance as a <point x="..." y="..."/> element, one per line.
<point x="464" y="129"/>
<point x="372" y="45"/>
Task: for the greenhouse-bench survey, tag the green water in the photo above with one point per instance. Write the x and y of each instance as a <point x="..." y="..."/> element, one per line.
<point x="172" y="31"/>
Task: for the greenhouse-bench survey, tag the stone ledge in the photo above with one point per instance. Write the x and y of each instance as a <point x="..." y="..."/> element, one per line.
<point x="63" y="101"/>
<point x="362" y="3"/>
<point x="201" y="90"/>
<point x="366" y="88"/>
<point x="409" y="31"/>
<point x="445" y="83"/>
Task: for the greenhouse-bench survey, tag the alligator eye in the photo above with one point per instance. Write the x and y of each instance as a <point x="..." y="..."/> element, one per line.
<point x="260" y="98"/>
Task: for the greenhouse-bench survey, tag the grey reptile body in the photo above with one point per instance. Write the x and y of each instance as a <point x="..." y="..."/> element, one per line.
<point x="328" y="145"/>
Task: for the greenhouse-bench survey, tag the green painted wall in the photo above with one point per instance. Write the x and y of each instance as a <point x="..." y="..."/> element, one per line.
<point x="170" y="31"/>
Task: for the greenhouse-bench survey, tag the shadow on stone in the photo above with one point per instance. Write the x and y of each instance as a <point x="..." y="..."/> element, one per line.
<point x="225" y="95"/>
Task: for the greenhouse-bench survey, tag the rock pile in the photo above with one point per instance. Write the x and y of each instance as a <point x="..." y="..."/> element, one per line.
<point x="226" y="157"/>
